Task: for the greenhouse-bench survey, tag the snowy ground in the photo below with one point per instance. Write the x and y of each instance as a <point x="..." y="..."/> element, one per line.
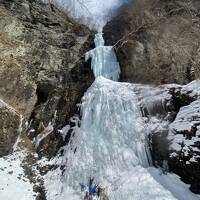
<point x="13" y="183"/>
<point x="146" y="184"/>
<point x="143" y="183"/>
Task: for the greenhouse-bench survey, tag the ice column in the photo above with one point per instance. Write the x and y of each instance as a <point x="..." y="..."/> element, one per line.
<point x="104" y="61"/>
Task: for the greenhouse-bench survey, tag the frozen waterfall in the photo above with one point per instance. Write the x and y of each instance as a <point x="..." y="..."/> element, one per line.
<point x="109" y="143"/>
<point x="104" y="61"/>
<point x="111" y="140"/>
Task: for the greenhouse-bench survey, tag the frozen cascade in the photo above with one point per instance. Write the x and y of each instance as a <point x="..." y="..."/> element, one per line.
<point x="104" y="61"/>
<point x="111" y="139"/>
<point x="110" y="143"/>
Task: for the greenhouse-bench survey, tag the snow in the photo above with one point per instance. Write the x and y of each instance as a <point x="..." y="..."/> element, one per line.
<point x="7" y="106"/>
<point x="173" y="184"/>
<point x="111" y="144"/>
<point x="193" y="88"/>
<point x="13" y="183"/>
<point x="15" y="146"/>
<point x="152" y="99"/>
<point x="48" y="130"/>
<point x="186" y="118"/>
<point x="140" y="184"/>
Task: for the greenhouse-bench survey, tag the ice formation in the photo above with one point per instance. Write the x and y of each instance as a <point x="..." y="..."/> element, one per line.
<point x="109" y="143"/>
<point x="104" y="61"/>
<point x="111" y="140"/>
<point x="186" y="118"/>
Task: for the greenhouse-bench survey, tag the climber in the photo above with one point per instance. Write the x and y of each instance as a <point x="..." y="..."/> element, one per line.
<point x="93" y="190"/>
<point x="99" y="190"/>
<point x="82" y="186"/>
<point x="90" y="182"/>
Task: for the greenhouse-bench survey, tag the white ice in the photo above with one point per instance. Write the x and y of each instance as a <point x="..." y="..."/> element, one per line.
<point x="186" y="118"/>
<point x="111" y="143"/>
<point x="104" y="61"/>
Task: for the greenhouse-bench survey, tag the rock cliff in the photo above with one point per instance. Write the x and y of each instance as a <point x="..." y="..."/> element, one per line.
<point x="157" y="41"/>
<point x="42" y="69"/>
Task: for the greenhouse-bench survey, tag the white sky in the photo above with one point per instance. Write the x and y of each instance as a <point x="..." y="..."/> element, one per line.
<point x="99" y="10"/>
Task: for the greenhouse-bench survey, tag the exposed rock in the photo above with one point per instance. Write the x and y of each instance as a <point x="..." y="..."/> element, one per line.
<point x="9" y="123"/>
<point x="42" y="68"/>
<point x="157" y="41"/>
<point x="172" y="115"/>
<point x="184" y="136"/>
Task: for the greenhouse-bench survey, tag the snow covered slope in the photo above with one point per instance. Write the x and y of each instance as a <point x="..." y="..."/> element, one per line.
<point x="14" y="185"/>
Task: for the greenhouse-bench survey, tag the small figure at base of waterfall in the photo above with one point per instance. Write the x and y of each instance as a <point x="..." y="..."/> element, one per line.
<point x="92" y="191"/>
<point x="100" y="190"/>
<point x="92" y="188"/>
<point x="82" y="187"/>
<point x="165" y="167"/>
<point x="90" y="181"/>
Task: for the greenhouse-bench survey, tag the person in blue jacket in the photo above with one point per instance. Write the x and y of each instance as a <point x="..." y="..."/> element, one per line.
<point x="92" y="190"/>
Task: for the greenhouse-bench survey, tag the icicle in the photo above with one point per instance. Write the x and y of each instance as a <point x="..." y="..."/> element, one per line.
<point x="20" y="128"/>
<point x="48" y="130"/>
<point x="104" y="61"/>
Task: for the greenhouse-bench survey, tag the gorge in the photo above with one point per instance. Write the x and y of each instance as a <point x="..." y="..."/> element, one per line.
<point x="69" y="113"/>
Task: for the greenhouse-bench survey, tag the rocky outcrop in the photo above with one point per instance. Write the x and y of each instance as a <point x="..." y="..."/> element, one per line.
<point x="172" y="116"/>
<point x="9" y="128"/>
<point x="42" y="69"/>
<point x="184" y="136"/>
<point x="157" y="41"/>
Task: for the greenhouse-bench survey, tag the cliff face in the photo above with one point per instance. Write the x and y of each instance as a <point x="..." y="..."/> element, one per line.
<point x="157" y="41"/>
<point x="42" y="69"/>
